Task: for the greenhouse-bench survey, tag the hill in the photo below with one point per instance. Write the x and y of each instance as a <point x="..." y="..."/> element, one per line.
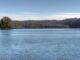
<point x="7" y="23"/>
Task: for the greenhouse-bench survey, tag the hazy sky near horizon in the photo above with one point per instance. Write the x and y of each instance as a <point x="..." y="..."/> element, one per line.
<point x="40" y="9"/>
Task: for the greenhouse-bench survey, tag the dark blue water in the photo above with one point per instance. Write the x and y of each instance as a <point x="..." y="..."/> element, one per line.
<point x="40" y="44"/>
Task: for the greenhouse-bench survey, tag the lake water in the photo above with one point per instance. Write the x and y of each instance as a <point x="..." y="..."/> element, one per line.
<point x="40" y="44"/>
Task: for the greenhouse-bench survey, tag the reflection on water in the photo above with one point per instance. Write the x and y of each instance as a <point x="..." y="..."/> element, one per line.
<point x="40" y="44"/>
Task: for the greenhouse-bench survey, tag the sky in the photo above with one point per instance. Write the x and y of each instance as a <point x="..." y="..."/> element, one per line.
<point x="40" y="9"/>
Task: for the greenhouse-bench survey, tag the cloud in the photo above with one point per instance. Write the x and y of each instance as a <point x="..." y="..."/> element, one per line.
<point x="60" y="16"/>
<point x="38" y="16"/>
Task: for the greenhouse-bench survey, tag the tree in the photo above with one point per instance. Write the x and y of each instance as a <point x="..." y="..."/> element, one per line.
<point x="5" y="23"/>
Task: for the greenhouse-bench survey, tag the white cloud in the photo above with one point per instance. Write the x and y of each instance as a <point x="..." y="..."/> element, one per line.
<point x="60" y="16"/>
<point x="38" y="16"/>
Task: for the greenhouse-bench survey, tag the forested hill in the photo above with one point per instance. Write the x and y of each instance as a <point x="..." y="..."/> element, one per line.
<point x="7" y="23"/>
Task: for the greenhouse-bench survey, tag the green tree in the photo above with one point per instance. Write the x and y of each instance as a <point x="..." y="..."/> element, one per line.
<point x="5" y="23"/>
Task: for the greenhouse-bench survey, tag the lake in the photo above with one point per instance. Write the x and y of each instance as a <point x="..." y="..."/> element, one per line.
<point x="40" y="44"/>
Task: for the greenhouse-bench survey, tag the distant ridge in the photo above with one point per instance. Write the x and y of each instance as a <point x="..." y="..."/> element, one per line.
<point x="7" y="23"/>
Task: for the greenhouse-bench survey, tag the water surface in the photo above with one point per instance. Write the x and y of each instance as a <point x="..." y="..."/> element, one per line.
<point x="40" y="44"/>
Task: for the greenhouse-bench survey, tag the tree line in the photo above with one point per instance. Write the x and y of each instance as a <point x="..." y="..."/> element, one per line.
<point x="7" y="23"/>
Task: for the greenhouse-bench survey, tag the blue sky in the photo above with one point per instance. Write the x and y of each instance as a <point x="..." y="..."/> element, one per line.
<point x="37" y="9"/>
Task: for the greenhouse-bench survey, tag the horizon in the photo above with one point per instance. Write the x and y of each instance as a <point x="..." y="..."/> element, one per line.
<point x="40" y="9"/>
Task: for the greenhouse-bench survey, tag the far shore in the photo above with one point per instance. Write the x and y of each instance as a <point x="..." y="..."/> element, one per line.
<point x="7" y="23"/>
